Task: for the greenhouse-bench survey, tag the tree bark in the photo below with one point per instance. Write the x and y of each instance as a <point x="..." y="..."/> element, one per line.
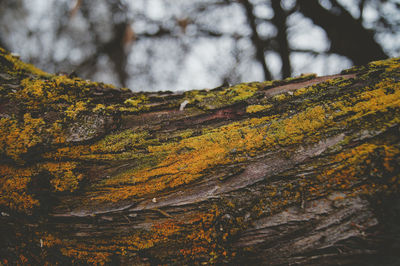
<point x="297" y="171"/>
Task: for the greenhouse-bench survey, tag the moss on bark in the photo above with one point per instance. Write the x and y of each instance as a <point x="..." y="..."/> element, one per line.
<point x="111" y="176"/>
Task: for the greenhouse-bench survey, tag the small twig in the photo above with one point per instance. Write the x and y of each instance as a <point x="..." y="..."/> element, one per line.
<point x="303" y="200"/>
<point x="129" y="221"/>
<point x="162" y="212"/>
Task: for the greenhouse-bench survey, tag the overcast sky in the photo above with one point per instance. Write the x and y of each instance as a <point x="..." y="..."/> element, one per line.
<point x="205" y="57"/>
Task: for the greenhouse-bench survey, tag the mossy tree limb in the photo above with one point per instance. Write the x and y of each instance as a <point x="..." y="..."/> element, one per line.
<point x="303" y="170"/>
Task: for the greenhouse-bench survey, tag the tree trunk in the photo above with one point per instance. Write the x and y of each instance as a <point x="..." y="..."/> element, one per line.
<point x="298" y="171"/>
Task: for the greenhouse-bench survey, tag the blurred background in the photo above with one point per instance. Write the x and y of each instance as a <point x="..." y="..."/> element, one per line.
<point x="172" y="45"/>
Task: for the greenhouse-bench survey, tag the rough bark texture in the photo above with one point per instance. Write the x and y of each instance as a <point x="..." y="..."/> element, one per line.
<point x="299" y="171"/>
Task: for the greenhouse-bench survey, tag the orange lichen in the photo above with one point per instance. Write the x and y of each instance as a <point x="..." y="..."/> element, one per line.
<point x="13" y="188"/>
<point x="49" y="240"/>
<point x="197" y="235"/>
<point x="16" y="139"/>
<point x="201" y="240"/>
<point x="63" y="174"/>
<point x="206" y="239"/>
<point x="356" y="171"/>
<point x="185" y="161"/>
<point x="188" y="159"/>
<point x="91" y="257"/>
<point x="14" y="183"/>
<point x="158" y="161"/>
<point x="98" y="252"/>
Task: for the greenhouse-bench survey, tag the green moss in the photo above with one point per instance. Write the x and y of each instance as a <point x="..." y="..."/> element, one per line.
<point x="220" y="97"/>
<point x="127" y="140"/>
<point x="302" y="77"/>
<point x="135" y="104"/>
<point x="186" y="133"/>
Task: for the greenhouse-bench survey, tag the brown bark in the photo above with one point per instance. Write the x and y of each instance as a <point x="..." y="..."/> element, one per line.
<point x="303" y="171"/>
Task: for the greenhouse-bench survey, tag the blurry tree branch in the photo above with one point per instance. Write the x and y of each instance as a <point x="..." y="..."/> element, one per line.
<point x="134" y="42"/>
<point x="258" y="42"/>
<point x="346" y="34"/>
<point x="279" y="20"/>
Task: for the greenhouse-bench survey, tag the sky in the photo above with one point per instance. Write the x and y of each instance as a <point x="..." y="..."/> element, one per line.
<point x="205" y="59"/>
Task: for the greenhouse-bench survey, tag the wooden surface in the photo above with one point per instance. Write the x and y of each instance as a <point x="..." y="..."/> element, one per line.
<point x="299" y="171"/>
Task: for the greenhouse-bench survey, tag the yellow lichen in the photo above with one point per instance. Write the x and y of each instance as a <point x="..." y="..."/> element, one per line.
<point x="185" y="161"/>
<point x="119" y="146"/>
<point x="13" y="188"/>
<point x="258" y="108"/>
<point x="221" y="96"/>
<point x="16" y="139"/>
<point x="22" y="66"/>
<point x="186" y="133"/>
<point x="304" y="90"/>
<point x="63" y="175"/>
<point x="280" y="97"/>
<point x="136" y="103"/>
<point x="99" y="107"/>
<point x="74" y="109"/>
